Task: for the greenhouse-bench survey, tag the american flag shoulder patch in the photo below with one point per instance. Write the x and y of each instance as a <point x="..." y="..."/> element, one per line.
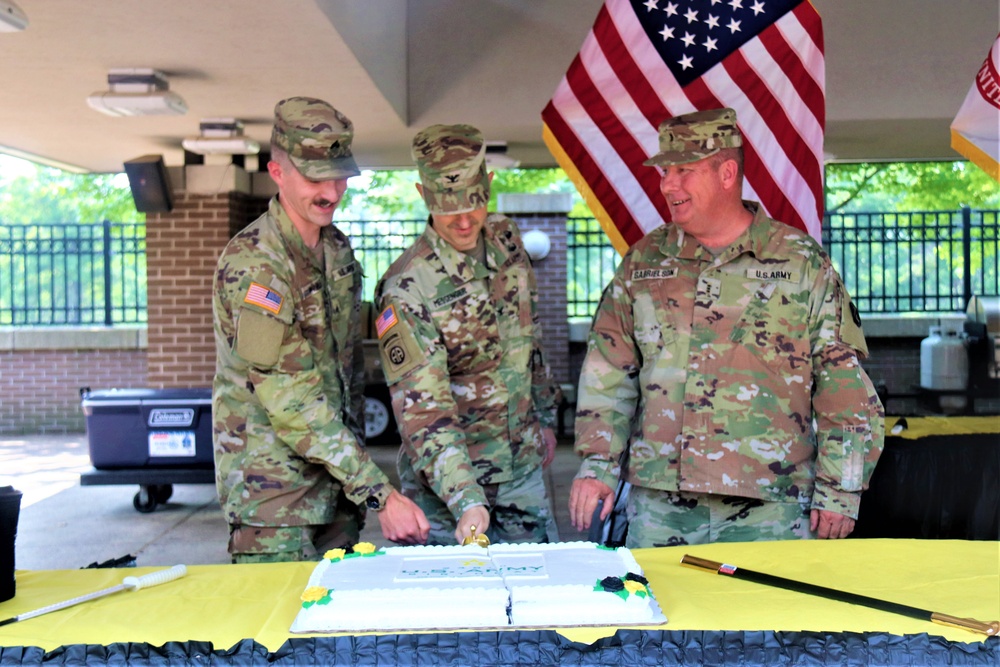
<point x="385" y="321"/>
<point x="258" y="295"/>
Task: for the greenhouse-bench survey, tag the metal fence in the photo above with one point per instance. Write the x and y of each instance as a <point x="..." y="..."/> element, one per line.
<point x="891" y="262"/>
<point x="377" y="243"/>
<point x="924" y="261"/>
<point x="590" y="263"/>
<point x="73" y="274"/>
<point x="931" y="261"/>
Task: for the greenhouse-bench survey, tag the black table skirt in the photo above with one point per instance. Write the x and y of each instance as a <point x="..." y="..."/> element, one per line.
<point x="936" y="487"/>
<point x="545" y="647"/>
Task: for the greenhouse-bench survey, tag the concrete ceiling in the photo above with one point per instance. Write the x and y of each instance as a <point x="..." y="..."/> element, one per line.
<point x="897" y="71"/>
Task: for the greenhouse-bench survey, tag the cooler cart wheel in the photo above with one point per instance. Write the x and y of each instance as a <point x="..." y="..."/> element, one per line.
<point x="145" y="499"/>
<point x="380" y="423"/>
<point x="162" y="492"/>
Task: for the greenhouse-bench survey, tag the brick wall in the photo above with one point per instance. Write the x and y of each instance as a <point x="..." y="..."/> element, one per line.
<point x="551" y="276"/>
<point x="40" y="389"/>
<point x="182" y="248"/>
<point x="894" y="362"/>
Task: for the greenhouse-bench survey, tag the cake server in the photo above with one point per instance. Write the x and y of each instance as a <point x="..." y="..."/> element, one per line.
<point x="128" y="584"/>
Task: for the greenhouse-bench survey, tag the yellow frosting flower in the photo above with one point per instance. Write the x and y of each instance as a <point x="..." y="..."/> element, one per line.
<point x="364" y="548"/>
<point x="334" y="554"/>
<point x="634" y="586"/>
<point x="314" y="594"/>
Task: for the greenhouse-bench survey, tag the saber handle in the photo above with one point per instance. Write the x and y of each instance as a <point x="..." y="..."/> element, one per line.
<point x="154" y="578"/>
<point x="990" y="628"/>
<point x="702" y="563"/>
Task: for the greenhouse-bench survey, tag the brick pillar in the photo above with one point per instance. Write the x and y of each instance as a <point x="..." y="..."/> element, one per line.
<point x="182" y="248"/>
<point x="547" y="213"/>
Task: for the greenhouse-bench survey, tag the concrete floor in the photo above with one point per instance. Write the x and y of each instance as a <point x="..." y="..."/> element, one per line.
<point x="64" y="525"/>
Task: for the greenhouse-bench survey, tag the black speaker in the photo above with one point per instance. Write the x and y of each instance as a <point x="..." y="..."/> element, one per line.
<point x="150" y="185"/>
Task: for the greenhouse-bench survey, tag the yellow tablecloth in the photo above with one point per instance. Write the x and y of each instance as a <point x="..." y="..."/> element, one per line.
<point x="914" y="428"/>
<point x="224" y="604"/>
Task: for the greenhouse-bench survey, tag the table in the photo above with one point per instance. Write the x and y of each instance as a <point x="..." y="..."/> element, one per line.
<point x="240" y="614"/>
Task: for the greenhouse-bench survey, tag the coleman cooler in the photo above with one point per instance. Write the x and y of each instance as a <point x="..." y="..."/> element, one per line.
<point x="149" y="428"/>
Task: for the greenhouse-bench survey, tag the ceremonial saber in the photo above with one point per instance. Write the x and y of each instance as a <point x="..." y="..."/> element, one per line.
<point x="128" y="584"/>
<point x="991" y="628"/>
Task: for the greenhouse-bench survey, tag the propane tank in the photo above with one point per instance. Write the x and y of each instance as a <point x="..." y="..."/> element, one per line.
<point x="944" y="365"/>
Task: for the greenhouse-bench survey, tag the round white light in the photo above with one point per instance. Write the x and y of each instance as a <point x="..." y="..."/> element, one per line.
<point x="537" y="243"/>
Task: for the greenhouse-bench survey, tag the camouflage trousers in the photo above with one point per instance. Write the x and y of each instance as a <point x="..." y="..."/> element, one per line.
<point x="668" y="518"/>
<point x="520" y="510"/>
<point x="278" y="544"/>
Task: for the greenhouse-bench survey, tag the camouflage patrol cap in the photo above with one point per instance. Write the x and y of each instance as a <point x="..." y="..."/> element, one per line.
<point x="316" y="137"/>
<point x="451" y="160"/>
<point x="693" y="136"/>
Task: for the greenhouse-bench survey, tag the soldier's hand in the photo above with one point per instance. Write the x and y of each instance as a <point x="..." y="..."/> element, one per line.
<point x="583" y="498"/>
<point x="829" y="525"/>
<point x="402" y="521"/>
<point x="477" y="516"/>
<point x="549" y="443"/>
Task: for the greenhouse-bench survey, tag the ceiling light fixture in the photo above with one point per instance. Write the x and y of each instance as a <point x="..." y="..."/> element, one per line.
<point x="137" y="92"/>
<point x="12" y="18"/>
<point x="221" y="136"/>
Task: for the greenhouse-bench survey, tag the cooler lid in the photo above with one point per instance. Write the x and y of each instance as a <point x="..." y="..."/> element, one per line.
<point x="198" y="396"/>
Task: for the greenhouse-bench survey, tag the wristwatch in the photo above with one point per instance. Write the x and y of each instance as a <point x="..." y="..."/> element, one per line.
<point x="376" y="501"/>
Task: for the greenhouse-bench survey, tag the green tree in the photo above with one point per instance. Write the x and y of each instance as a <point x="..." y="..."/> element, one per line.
<point x="908" y="186"/>
<point x="54" y="212"/>
<point x="31" y="194"/>
<point x="383" y="195"/>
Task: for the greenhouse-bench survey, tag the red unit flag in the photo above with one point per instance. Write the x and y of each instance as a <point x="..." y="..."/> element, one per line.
<point x="975" y="132"/>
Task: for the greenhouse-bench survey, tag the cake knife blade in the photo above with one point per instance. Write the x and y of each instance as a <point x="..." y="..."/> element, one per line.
<point x="128" y="584"/>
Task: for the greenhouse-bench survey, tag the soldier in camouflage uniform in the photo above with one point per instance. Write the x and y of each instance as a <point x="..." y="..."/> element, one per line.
<point x="462" y="353"/>
<point x="291" y="472"/>
<point x="724" y="360"/>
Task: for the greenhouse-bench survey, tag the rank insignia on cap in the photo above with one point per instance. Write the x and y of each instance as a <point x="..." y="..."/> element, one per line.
<point x="385" y="321"/>
<point x="267" y="299"/>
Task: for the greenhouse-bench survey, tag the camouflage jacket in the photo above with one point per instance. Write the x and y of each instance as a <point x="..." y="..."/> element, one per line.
<point x="287" y="397"/>
<point x="725" y="363"/>
<point x="462" y="352"/>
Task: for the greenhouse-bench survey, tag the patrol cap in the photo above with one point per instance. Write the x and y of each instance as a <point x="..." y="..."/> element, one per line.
<point x="451" y="160"/>
<point x="693" y="136"/>
<point x="316" y="137"/>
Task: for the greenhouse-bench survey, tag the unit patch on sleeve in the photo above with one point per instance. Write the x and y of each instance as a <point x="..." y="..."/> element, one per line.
<point x="851" y="332"/>
<point x="259" y="337"/>
<point x="268" y="299"/>
<point x="400" y="354"/>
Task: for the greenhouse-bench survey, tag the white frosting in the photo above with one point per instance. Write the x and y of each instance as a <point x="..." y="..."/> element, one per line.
<point x="407" y="588"/>
<point x="402" y="588"/>
<point x="554" y="584"/>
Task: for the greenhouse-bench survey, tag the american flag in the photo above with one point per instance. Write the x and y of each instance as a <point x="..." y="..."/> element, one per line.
<point x="648" y="60"/>
<point x="385" y="321"/>
<point x="261" y="296"/>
